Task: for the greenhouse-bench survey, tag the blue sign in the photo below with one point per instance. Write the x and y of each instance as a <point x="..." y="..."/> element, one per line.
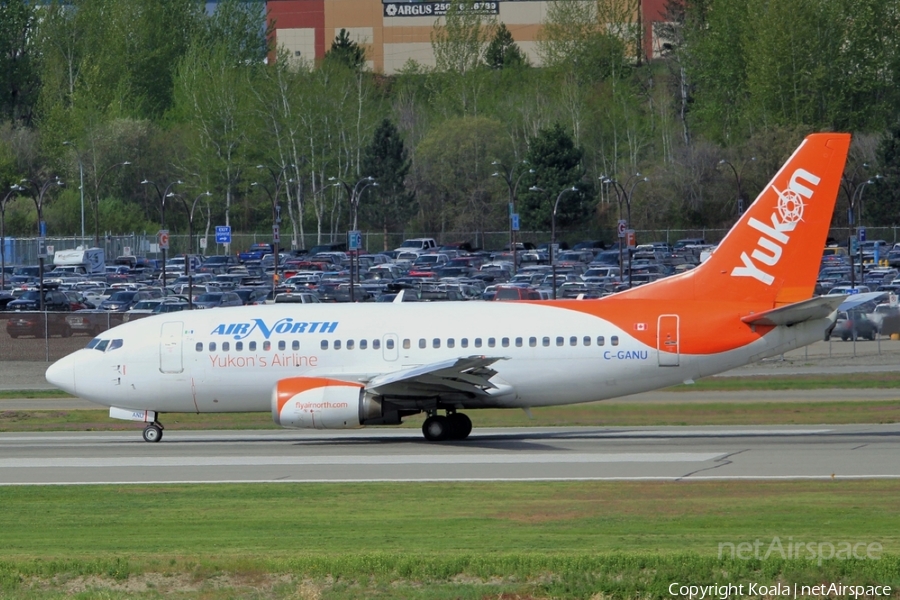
<point x="223" y="234"/>
<point x="515" y="222"/>
<point x="354" y="240"/>
<point x="861" y="232"/>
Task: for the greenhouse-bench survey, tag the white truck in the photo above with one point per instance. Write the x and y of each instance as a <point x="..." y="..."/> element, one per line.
<point x="418" y="245"/>
<point x="80" y="261"/>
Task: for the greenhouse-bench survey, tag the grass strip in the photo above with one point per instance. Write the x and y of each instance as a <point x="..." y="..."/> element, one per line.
<point x="430" y="540"/>
<point x="590" y="415"/>
<point x="855" y="381"/>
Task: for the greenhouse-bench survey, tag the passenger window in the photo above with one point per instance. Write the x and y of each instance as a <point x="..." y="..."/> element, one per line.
<point x="267" y="345"/>
<point x="118" y="344"/>
<point x="491" y="342"/>
<point x="212" y="346"/>
<point x="295" y="345"/>
<point x="350" y="344"/>
<point x="587" y="340"/>
<point x="546" y="341"/>
<point x="614" y="340"/>
<point x="532" y="341"/>
<point x="573" y="341"/>
<point x="363" y="344"/>
<point x="451" y="343"/>
<point x="389" y="344"/>
<point x="282" y="345"/>
<point x="518" y="342"/>
<point x="337" y="344"/>
<point x="251" y="346"/>
<point x="238" y="346"/>
<point x="600" y="340"/>
<point x="324" y="345"/>
<point x="423" y="343"/>
<point x="436" y="343"/>
<point x="560" y="340"/>
<point x="376" y="344"/>
<point x="226" y="346"/>
<point x="478" y="342"/>
<point x="199" y="346"/>
<point x="406" y="344"/>
<point x="464" y="343"/>
<point x="504" y="342"/>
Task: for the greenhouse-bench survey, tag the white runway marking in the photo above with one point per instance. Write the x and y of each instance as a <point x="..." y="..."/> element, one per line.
<point x="417" y="459"/>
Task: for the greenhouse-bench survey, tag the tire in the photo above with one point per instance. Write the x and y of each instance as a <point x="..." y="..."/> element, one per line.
<point x="436" y="429"/>
<point x="460" y="426"/>
<point x="152" y="434"/>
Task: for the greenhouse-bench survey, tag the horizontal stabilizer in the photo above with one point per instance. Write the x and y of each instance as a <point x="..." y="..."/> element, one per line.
<point x="807" y="310"/>
<point x="854" y="300"/>
<point x="470" y="375"/>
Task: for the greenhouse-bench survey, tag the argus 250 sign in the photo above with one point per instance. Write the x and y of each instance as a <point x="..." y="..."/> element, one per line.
<point x="433" y="9"/>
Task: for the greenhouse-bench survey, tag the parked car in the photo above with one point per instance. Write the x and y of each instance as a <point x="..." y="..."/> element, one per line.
<point x="217" y="299"/>
<point x="218" y="264"/>
<point x="92" y="321"/>
<point x="54" y="301"/>
<point x="125" y="300"/>
<point x="854" y="324"/>
<point x="38" y="324"/>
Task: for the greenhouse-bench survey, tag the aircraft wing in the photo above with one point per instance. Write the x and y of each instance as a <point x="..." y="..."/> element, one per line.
<point x="470" y="375"/>
<point x="814" y="308"/>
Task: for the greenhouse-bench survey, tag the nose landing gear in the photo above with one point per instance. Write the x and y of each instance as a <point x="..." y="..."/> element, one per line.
<point x="153" y="432"/>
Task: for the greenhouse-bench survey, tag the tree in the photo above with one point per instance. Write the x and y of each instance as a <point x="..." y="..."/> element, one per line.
<point x="503" y="52"/>
<point x="19" y="80"/>
<point x="346" y="52"/>
<point x="882" y="203"/>
<point x="386" y="160"/>
<point x="557" y="165"/>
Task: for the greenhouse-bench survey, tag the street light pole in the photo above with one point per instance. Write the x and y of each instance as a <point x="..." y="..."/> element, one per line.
<point x="507" y="174"/>
<point x="13" y="190"/>
<point x="187" y="263"/>
<point x="742" y="200"/>
<point x="81" y="183"/>
<point x="276" y="215"/>
<point x="535" y="188"/>
<point x="38" y="197"/>
<point x="621" y="194"/>
<point x="162" y="218"/>
<point x="354" y="194"/>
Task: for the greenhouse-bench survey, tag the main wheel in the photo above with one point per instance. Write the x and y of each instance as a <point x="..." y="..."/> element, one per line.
<point x="460" y="426"/>
<point x="436" y="429"/>
<point x="152" y="433"/>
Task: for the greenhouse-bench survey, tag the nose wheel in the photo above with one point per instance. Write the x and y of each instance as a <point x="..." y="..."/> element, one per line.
<point x="153" y="432"/>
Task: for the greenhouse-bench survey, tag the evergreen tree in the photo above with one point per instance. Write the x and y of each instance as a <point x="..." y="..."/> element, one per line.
<point x="346" y="52"/>
<point x="389" y="204"/>
<point x="18" y="72"/>
<point x="557" y="165"/>
<point x="503" y="52"/>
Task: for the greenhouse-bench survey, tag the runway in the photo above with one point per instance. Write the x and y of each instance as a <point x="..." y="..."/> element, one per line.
<point x="508" y="454"/>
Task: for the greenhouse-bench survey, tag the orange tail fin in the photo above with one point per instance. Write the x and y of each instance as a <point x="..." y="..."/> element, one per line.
<point x="772" y="255"/>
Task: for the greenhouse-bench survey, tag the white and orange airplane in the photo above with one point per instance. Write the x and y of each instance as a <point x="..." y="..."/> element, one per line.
<point x="333" y="366"/>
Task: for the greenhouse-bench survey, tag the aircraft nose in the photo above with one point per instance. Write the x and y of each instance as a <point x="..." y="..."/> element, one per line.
<point x="62" y="373"/>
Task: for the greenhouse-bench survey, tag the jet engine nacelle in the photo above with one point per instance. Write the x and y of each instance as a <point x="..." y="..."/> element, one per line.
<point x="320" y="403"/>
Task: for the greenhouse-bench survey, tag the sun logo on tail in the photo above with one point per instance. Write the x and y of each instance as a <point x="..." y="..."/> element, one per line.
<point x="790" y="206"/>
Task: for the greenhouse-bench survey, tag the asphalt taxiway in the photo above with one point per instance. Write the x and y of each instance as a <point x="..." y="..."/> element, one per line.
<point x="508" y="454"/>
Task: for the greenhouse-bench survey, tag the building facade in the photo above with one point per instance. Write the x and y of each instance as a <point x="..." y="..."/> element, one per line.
<point x="395" y="32"/>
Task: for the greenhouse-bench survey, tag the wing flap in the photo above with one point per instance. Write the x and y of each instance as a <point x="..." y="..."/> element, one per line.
<point x="468" y="375"/>
<point x="807" y="310"/>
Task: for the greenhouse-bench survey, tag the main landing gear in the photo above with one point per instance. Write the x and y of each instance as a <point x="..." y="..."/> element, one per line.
<point x="153" y="432"/>
<point x="455" y="426"/>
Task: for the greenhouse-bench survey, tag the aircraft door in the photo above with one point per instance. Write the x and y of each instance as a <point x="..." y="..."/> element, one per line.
<point x="667" y="343"/>
<point x="390" y="347"/>
<point x="170" y="356"/>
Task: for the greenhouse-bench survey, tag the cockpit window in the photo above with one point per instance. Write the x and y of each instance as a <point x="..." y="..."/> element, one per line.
<point x="117" y="343"/>
<point x="93" y="343"/>
<point x="102" y="345"/>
